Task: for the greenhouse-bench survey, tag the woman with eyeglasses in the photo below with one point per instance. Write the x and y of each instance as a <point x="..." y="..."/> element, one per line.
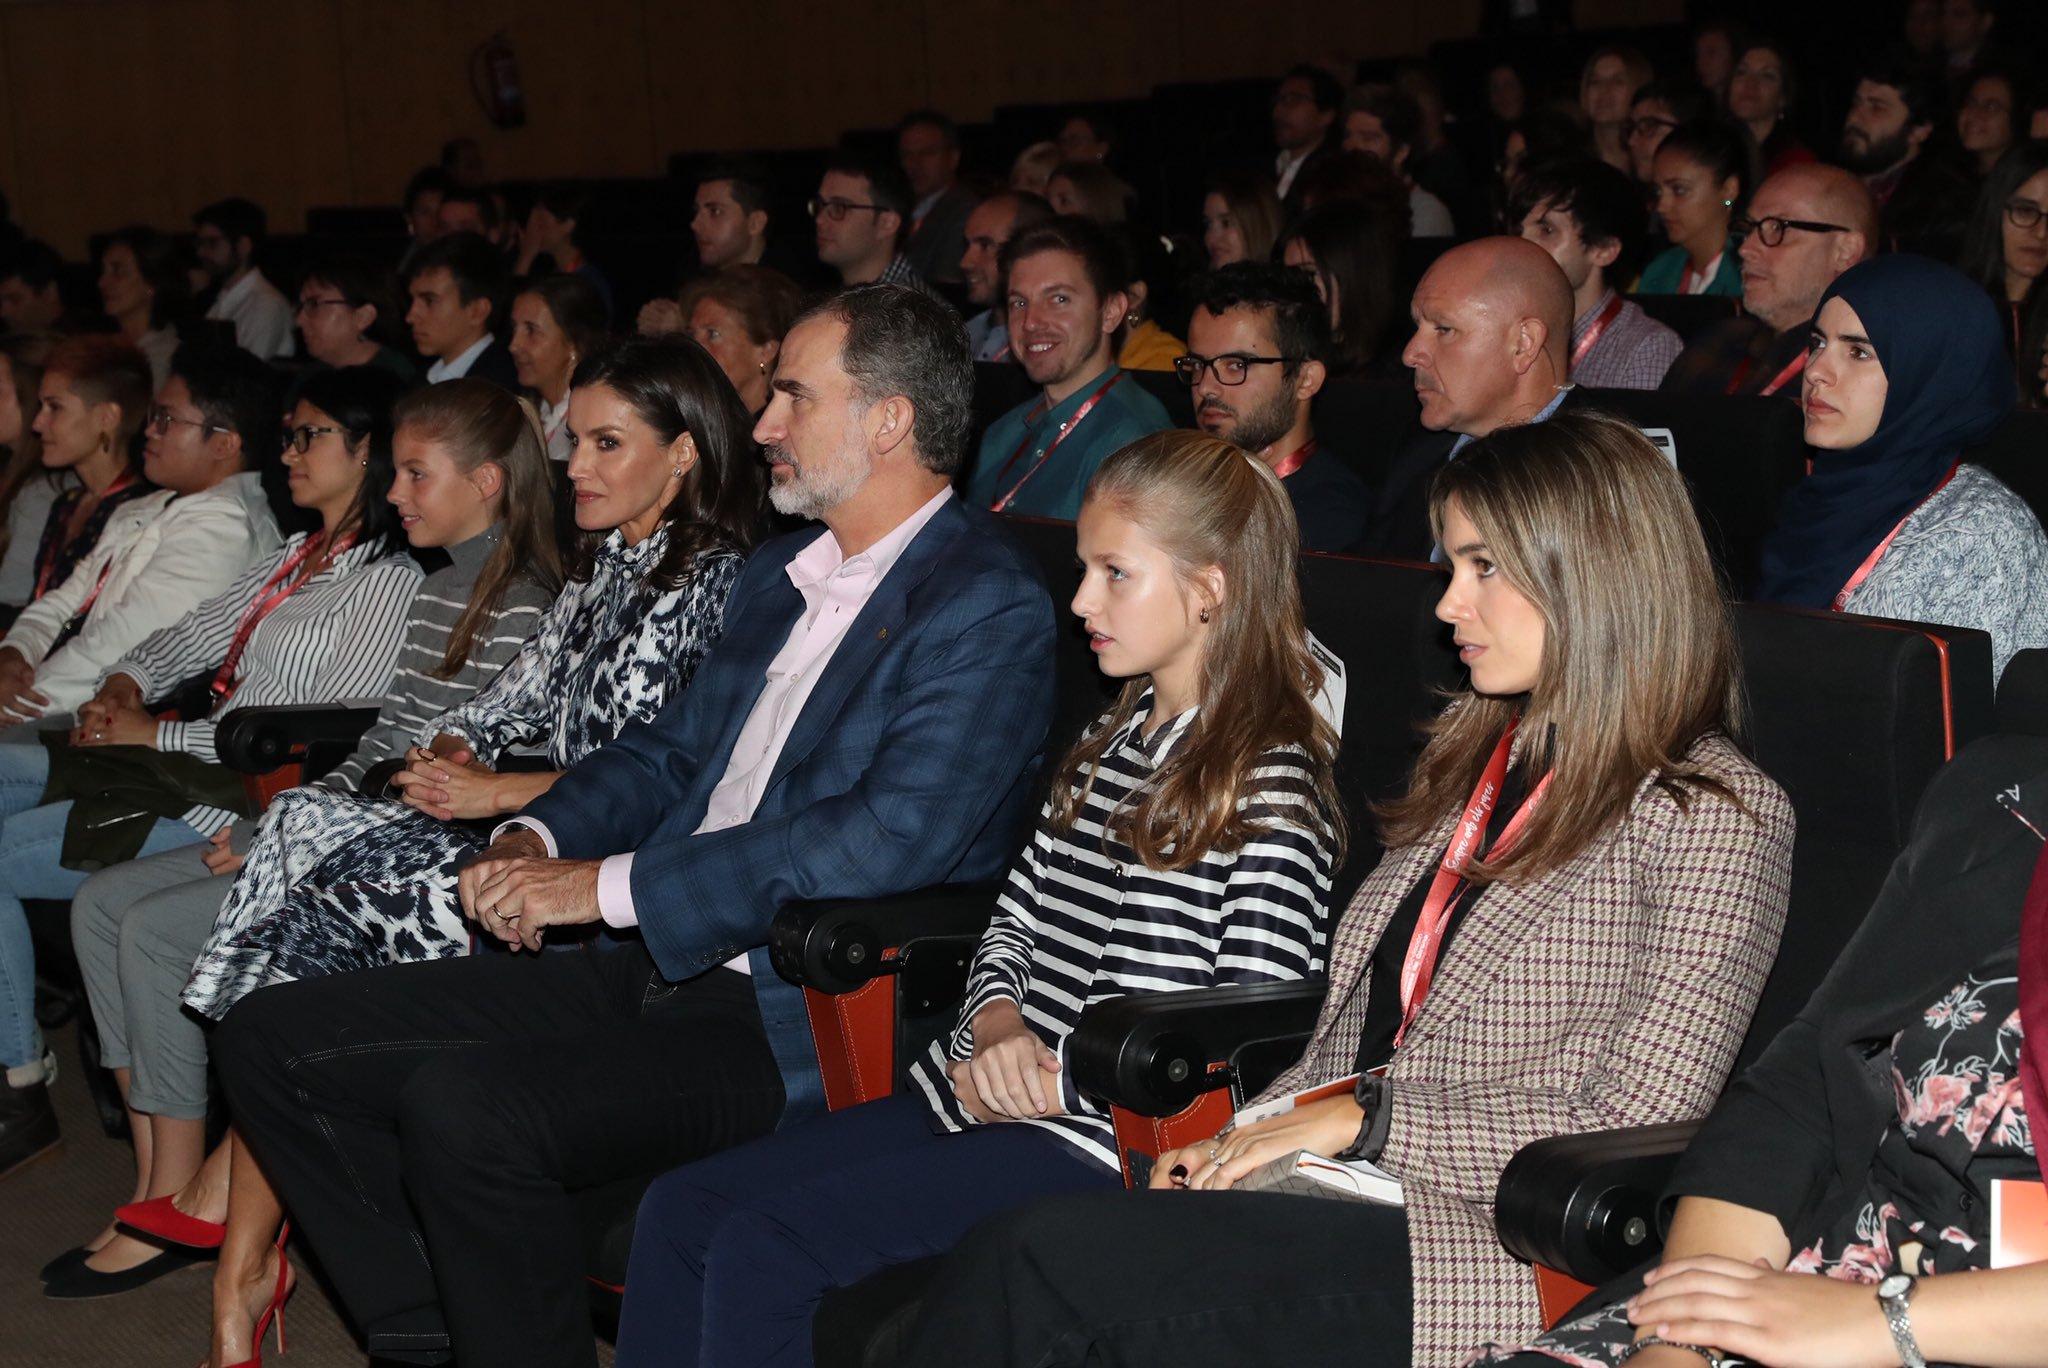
<point x="1997" y="102"/>
<point x="1760" y="95"/>
<point x="346" y="311"/>
<point x="211" y="431"/>
<point x="2006" y="247"/>
<point x="318" y="620"/>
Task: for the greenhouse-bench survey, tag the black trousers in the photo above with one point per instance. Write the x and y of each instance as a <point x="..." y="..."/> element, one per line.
<point x="1192" y="1279"/>
<point x="426" y="1123"/>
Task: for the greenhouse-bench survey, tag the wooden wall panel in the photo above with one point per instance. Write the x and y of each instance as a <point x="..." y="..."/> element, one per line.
<point x="123" y="110"/>
<point x="144" y="111"/>
<point x="585" y="83"/>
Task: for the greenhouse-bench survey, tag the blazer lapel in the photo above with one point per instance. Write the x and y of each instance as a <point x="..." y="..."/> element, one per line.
<point x="880" y="620"/>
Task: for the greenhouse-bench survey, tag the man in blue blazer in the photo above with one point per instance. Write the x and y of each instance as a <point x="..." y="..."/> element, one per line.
<point x="871" y="721"/>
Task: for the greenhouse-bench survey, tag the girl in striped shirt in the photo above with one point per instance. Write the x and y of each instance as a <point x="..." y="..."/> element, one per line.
<point x="1188" y="842"/>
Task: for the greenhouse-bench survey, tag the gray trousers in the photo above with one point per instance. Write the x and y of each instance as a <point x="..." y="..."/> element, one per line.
<point x="137" y="928"/>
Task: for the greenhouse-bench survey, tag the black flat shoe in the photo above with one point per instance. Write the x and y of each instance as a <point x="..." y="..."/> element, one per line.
<point x="82" y="1282"/>
<point x="64" y="1263"/>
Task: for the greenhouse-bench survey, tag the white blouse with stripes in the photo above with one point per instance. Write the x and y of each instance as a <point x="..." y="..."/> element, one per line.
<point x="335" y="639"/>
<point x="1082" y="919"/>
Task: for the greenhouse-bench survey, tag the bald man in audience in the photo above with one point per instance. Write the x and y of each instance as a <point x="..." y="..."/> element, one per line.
<point x="1493" y="322"/>
<point x="1806" y="225"/>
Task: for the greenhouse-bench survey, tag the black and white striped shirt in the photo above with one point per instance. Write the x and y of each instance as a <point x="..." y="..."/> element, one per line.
<point x="333" y="640"/>
<point x="419" y="694"/>
<point x="1083" y="919"/>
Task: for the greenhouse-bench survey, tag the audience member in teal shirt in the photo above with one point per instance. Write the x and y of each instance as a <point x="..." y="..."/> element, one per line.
<point x="1701" y="176"/>
<point x="1066" y="302"/>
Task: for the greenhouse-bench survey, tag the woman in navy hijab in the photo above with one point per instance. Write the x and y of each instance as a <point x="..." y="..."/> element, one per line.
<point x="1907" y="372"/>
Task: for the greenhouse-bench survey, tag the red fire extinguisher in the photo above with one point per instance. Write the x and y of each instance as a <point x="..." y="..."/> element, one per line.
<point x="494" y="77"/>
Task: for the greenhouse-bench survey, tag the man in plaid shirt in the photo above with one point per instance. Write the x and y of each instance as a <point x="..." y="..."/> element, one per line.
<point x="1589" y="217"/>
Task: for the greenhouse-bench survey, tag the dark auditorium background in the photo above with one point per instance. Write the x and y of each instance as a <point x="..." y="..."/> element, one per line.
<point x="306" y="103"/>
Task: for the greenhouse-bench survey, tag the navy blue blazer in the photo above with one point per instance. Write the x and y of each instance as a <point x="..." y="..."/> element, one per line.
<point x="912" y="763"/>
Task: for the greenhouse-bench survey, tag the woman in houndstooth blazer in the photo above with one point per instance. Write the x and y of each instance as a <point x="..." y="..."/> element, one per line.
<point x="1604" y="876"/>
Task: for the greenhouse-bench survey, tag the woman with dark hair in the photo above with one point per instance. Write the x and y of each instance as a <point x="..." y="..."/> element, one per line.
<point x="1760" y="96"/>
<point x="145" y="290"/>
<point x="320" y="620"/>
<point x="668" y="497"/>
<point x="1997" y="106"/>
<point x="347" y="312"/>
<point x="2006" y="247"/>
<point x="1354" y="255"/>
<point x="1240" y="218"/>
<point x="91" y="404"/>
<point x="1580" y="900"/>
<point x="1090" y="190"/>
<point x="1607" y="87"/>
<point x="557" y="320"/>
<point x="1702" y="178"/>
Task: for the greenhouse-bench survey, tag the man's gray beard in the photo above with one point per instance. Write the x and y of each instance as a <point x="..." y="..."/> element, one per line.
<point x="810" y="493"/>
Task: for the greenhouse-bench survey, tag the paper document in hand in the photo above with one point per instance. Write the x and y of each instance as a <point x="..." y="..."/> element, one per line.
<point x="1311" y="1175"/>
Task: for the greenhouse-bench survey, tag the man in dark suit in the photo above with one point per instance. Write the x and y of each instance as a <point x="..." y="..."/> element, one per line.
<point x="1493" y="319"/>
<point x="457" y="286"/>
<point x="1306" y="106"/>
<point x="928" y="150"/>
<point x="870" y="722"/>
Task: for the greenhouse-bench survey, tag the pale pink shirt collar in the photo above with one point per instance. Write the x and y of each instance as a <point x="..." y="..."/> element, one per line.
<point x="835" y="588"/>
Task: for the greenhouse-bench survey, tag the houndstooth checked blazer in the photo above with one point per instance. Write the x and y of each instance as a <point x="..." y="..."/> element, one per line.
<point x="1613" y="991"/>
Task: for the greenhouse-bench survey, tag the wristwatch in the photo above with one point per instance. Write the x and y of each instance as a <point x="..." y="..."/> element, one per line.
<point x="1894" y="1294"/>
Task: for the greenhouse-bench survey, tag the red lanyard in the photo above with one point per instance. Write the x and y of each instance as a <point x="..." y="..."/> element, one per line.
<point x="1592" y="337"/>
<point x="266" y="601"/>
<point x="1778" y="381"/>
<point x="1418" y="967"/>
<point x="1003" y="500"/>
<point x="1877" y="552"/>
<point x="1295" y="460"/>
<point x="43" y="575"/>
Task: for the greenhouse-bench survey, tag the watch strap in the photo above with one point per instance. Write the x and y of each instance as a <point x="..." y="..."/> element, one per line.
<point x="1898" y="1316"/>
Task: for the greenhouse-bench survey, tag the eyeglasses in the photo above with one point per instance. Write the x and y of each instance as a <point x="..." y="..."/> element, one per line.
<point x="1649" y="126"/>
<point x="1228" y="370"/>
<point x="2023" y="213"/>
<point x="306" y="306"/>
<point x="160" y="419"/>
<point x="837" y="210"/>
<point x="1771" y="231"/>
<point x="300" y="439"/>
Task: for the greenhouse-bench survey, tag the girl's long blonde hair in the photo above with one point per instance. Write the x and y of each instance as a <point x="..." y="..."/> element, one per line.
<point x="1590" y="523"/>
<point x="1208" y="504"/>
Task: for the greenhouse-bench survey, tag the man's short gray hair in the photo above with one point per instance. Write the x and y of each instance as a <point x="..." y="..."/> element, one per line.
<point x="902" y="341"/>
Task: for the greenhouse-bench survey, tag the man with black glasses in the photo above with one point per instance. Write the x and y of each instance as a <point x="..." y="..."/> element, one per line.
<point x="860" y="210"/>
<point x="1255" y="346"/>
<point x="1807" y="225"/>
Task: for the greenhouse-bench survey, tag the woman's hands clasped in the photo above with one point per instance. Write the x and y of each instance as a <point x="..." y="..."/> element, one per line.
<point x="115" y="716"/>
<point x="448" y="783"/>
<point x="1321" y="1127"/>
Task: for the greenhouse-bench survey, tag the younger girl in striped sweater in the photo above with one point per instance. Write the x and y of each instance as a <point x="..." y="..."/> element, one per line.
<point x="1188" y="842"/>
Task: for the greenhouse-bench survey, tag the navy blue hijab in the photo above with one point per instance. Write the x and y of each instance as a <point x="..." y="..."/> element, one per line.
<point x="1950" y="384"/>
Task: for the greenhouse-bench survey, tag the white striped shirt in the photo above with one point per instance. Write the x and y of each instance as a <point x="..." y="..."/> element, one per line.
<point x="333" y="640"/>
<point x="1082" y="919"/>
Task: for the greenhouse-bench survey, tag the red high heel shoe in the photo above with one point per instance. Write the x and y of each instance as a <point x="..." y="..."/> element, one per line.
<point x="286" y="1285"/>
<point x="160" y="1217"/>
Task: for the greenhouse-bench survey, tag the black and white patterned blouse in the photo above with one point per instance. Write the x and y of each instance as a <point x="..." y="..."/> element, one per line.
<point x="608" y="652"/>
<point x="1082" y="919"/>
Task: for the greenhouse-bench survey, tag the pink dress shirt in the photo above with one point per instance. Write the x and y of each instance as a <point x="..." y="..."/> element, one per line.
<point x="835" y="588"/>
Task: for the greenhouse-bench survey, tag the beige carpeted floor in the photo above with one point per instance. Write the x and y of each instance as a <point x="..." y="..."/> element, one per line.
<point x="59" y="1200"/>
